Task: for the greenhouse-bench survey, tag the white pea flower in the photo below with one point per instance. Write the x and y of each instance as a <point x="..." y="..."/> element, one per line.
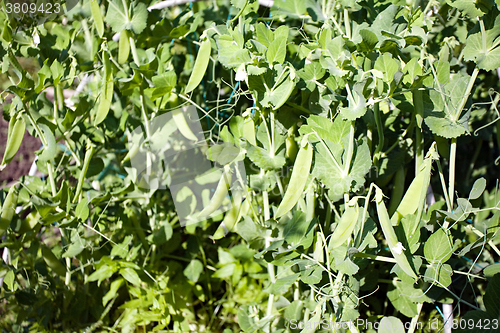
<point x="36" y="38"/>
<point x="398" y="248"/>
<point x="241" y="73"/>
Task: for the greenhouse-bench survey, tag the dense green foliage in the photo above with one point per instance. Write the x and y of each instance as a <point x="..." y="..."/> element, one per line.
<point x="371" y="151"/>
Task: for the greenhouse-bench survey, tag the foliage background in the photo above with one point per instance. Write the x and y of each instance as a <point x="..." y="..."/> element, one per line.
<point x="368" y="97"/>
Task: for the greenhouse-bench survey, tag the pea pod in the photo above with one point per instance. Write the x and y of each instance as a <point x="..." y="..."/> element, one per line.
<point x="123" y="47"/>
<point x="219" y="194"/>
<point x="106" y="96"/>
<point x="346" y="224"/>
<point x="97" y="16"/>
<point x="298" y="179"/>
<point x="415" y="194"/>
<point x="200" y="66"/>
<point x="398" y="190"/>
<point x="8" y="210"/>
<point x="182" y="125"/>
<point x="395" y="246"/>
<point x="232" y="216"/>
<point x="52" y="261"/>
<point x="17" y="127"/>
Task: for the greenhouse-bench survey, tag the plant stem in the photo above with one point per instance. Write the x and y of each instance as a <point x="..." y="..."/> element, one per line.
<point x="414" y="320"/>
<point x="443" y="184"/>
<point x="451" y="175"/>
<point x="380" y="131"/>
<point x="88" y="156"/>
<point x="133" y="49"/>
<point x="350" y="151"/>
<point x="270" y="267"/>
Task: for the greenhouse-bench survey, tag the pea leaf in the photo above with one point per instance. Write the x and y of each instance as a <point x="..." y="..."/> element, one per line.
<point x="491" y="297"/>
<point x="193" y="270"/>
<point x="118" y="20"/>
<point x="273" y="88"/>
<point x="439" y="272"/>
<point x="388" y="66"/>
<point x="442" y="113"/>
<point x="404" y="296"/>
<point x="438" y="247"/>
<point x="484" y="50"/>
<point x="477" y="189"/>
<point x="130" y="275"/>
<point x="276" y="52"/>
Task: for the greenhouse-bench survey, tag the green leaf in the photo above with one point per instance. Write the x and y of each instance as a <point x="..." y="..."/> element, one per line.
<point x="230" y="53"/>
<point x="477" y="189"/>
<point x="193" y="270"/>
<point x="491" y="270"/>
<point x="482" y="321"/>
<point x="130" y="275"/>
<point x="296" y="228"/>
<point x="82" y="209"/>
<point x="75" y="248"/>
<point x="404" y="297"/>
<point x="388" y="66"/>
<point x="369" y="40"/>
<point x="118" y="20"/>
<point x="264" y="35"/>
<point x="439" y="272"/>
<point x="437" y="248"/>
<point x="273" y="89"/>
<point x="484" y="50"/>
<point x="311" y="74"/>
<point x="357" y="105"/>
<point x="104" y="272"/>
<point x="491" y="297"/>
<point x="113" y="289"/>
<point x="391" y="324"/>
<point x="276" y="52"/>
<point x="282" y="285"/>
<point x="265" y="159"/>
<point x="442" y="113"/>
<point x="48" y="152"/>
<point x="472" y="8"/>
<point x="442" y="71"/>
<point x="225" y="271"/>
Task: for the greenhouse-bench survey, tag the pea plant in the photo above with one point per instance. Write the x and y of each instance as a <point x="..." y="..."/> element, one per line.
<point x="369" y="138"/>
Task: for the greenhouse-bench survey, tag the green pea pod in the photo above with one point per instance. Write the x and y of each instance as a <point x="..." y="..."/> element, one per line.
<point x="346" y="224"/>
<point x="8" y="210"/>
<point x="298" y="179"/>
<point x="390" y="235"/>
<point x="200" y="66"/>
<point x="415" y="194"/>
<point x="7" y="32"/>
<point x="123" y="47"/>
<point x="96" y="14"/>
<point x="182" y="125"/>
<point x="17" y="127"/>
<point x="219" y="194"/>
<point x="106" y="96"/>
<point x="230" y="219"/>
<point x="52" y="261"/>
<point x="398" y="190"/>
